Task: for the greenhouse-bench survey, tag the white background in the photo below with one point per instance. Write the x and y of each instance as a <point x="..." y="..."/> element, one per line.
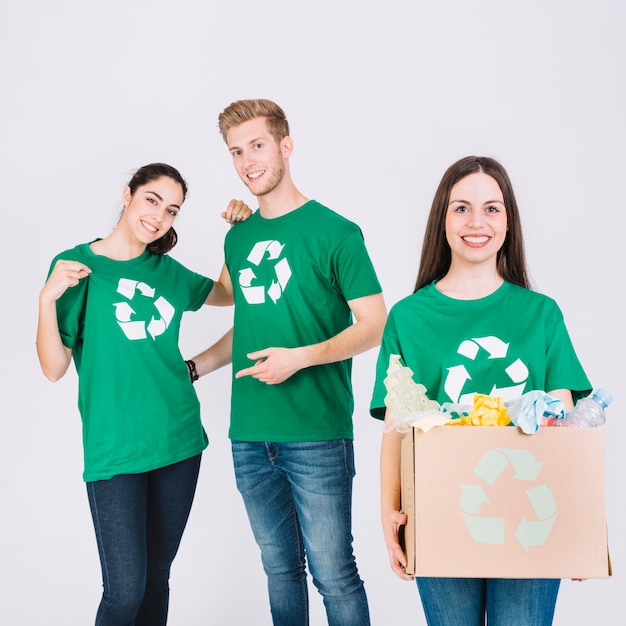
<point x="381" y="97"/>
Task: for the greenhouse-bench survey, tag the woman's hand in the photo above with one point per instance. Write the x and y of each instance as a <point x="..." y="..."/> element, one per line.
<point x="54" y="357"/>
<point x="236" y="211"/>
<point x="64" y="275"/>
<point x="392" y="521"/>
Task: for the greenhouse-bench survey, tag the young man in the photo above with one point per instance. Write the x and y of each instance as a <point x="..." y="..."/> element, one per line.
<point x="299" y="274"/>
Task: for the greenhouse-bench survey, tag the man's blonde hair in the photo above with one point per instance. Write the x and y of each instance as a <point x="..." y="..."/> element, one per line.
<point x="242" y="111"/>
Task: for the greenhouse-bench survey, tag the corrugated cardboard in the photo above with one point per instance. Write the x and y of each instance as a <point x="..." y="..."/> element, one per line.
<point x="492" y="502"/>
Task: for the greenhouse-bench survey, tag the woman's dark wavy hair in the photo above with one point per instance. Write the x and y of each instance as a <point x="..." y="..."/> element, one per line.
<point x="436" y="256"/>
<point x="147" y="174"/>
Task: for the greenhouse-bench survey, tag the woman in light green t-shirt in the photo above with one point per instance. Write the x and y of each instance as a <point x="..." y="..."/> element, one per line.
<point x="473" y="282"/>
<point x="114" y="306"/>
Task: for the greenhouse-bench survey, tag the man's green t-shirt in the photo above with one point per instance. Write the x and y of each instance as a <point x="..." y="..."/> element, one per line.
<point x="292" y="277"/>
<point x="138" y="407"/>
<point x="505" y="344"/>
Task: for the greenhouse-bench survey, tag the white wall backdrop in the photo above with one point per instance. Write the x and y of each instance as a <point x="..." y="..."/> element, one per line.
<point x="381" y="98"/>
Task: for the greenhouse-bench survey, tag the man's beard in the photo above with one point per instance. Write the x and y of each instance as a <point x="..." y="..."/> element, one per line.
<point x="270" y="184"/>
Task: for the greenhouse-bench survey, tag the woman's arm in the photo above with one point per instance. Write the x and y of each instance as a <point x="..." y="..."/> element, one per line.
<point x="236" y="211"/>
<point x="565" y="396"/>
<point x="218" y="355"/>
<point x="222" y="292"/>
<point x="54" y="357"/>
<point x="391" y="516"/>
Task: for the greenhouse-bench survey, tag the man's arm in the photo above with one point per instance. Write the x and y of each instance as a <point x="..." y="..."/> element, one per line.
<point x="275" y="365"/>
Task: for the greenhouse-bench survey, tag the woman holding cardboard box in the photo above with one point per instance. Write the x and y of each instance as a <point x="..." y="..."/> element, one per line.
<point x="473" y="290"/>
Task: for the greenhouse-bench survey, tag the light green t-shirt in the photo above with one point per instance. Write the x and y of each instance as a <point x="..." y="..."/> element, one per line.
<point x="292" y="277"/>
<point x="506" y="344"/>
<point x="138" y="407"/>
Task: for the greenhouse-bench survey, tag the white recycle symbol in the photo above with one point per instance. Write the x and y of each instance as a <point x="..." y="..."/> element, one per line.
<point x="490" y="530"/>
<point x="497" y="349"/>
<point x="140" y="329"/>
<point x="269" y="250"/>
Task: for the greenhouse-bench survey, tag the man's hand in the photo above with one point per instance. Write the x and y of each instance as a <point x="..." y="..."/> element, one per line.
<point x="275" y="365"/>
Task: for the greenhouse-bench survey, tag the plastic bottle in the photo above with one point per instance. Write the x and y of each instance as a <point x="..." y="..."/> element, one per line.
<point x="588" y="412"/>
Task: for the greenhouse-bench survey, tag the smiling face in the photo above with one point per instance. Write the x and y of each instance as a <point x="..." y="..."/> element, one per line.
<point x="476" y="219"/>
<point x="150" y="212"/>
<point x="259" y="159"/>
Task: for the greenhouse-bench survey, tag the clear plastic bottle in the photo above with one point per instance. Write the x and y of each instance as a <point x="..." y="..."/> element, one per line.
<point x="588" y="412"/>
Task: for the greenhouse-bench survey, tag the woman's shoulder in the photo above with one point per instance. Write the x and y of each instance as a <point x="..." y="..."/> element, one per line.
<point x="532" y="303"/>
<point x="412" y="301"/>
<point x="80" y="252"/>
<point x="537" y="297"/>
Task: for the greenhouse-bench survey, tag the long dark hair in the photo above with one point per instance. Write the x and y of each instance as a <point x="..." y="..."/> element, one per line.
<point x="436" y="256"/>
<point x="147" y="174"/>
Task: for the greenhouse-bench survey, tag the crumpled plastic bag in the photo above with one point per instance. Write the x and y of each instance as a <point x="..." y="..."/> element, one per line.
<point x="533" y="409"/>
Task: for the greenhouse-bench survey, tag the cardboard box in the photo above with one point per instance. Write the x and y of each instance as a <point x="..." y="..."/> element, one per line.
<point x="492" y="502"/>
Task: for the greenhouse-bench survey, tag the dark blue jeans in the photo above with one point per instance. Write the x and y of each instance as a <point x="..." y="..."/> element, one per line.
<point x="139" y="521"/>
<point x="504" y="601"/>
<point x="298" y="497"/>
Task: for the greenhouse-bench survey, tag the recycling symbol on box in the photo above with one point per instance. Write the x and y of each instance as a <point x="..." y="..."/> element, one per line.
<point x="494" y="348"/>
<point x="490" y="530"/>
<point x="142" y="296"/>
<point x="265" y="252"/>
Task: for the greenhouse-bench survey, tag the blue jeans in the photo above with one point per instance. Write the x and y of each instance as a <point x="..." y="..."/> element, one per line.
<point x="298" y="497"/>
<point x="139" y="521"/>
<point x="504" y="601"/>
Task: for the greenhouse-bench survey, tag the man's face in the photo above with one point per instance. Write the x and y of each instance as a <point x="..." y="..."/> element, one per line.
<point x="258" y="159"/>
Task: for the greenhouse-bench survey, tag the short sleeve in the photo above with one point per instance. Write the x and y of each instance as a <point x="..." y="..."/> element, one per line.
<point x="71" y="313"/>
<point x="389" y="345"/>
<point x="353" y="268"/>
<point x="563" y="368"/>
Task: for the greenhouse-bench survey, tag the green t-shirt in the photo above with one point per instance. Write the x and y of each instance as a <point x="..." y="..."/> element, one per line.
<point x="138" y="407"/>
<point x="506" y="344"/>
<point x="292" y="277"/>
